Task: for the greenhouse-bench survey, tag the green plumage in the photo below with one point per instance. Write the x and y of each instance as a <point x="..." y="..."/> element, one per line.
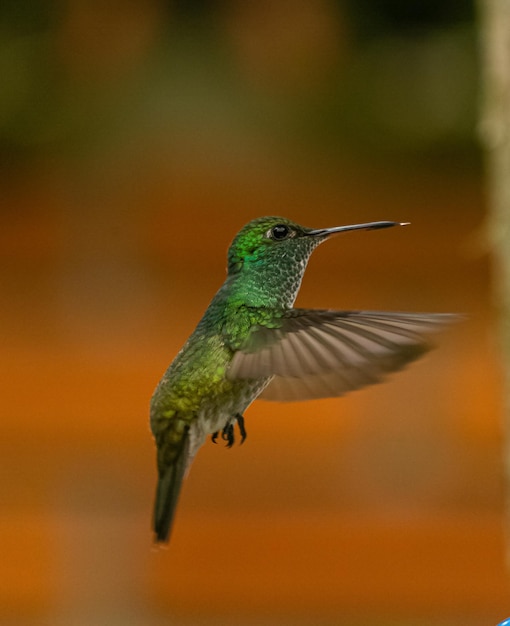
<point x="251" y="338"/>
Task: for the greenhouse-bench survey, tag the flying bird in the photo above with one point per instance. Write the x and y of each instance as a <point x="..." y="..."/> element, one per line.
<point x="251" y="343"/>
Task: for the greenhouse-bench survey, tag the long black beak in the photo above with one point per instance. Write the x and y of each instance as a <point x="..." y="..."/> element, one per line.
<point x="326" y="232"/>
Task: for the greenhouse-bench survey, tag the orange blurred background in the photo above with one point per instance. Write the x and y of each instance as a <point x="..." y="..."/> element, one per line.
<point x="136" y="138"/>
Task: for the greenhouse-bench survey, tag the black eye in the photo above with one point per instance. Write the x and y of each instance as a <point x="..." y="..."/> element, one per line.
<point x="279" y="232"/>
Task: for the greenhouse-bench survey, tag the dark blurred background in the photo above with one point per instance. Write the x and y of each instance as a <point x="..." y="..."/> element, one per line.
<point x="136" y="138"/>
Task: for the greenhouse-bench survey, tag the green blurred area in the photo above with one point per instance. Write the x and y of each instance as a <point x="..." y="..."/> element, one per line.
<point x="317" y="79"/>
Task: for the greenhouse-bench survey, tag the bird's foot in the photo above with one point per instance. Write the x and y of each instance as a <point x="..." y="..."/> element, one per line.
<point x="242" y="429"/>
<point x="227" y="434"/>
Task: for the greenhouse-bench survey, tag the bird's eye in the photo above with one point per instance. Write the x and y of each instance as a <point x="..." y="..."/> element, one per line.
<point x="279" y="232"/>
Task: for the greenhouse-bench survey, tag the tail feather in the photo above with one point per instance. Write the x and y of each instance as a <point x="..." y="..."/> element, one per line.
<point x="167" y="493"/>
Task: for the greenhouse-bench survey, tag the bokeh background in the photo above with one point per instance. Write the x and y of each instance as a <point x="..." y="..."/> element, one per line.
<point x="136" y="138"/>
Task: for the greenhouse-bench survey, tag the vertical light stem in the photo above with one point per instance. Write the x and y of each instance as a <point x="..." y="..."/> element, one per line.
<point x="494" y="16"/>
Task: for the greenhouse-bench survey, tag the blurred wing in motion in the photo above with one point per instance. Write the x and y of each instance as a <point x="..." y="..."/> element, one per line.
<point x="322" y="353"/>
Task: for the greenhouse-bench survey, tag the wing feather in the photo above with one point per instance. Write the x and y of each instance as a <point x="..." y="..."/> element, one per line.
<point x="321" y="353"/>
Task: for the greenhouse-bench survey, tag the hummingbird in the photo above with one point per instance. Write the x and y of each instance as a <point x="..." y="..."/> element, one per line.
<point x="252" y="343"/>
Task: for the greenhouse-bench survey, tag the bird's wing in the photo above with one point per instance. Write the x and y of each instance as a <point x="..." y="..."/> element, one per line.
<point x="322" y="353"/>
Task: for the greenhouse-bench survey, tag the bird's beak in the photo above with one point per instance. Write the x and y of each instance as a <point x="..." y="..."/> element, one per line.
<point x="327" y="232"/>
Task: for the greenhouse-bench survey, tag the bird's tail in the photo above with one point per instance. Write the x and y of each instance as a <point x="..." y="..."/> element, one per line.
<point x="167" y="492"/>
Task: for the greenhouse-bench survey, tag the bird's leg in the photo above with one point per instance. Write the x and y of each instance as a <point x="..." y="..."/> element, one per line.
<point x="242" y="429"/>
<point x="227" y="434"/>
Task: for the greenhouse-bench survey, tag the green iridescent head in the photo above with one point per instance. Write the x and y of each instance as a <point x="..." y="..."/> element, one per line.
<point x="270" y="240"/>
<point x="268" y="257"/>
<point x="267" y="260"/>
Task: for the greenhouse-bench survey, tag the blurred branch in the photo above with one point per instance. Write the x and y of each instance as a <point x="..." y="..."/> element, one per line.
<point x="495" y="136"/>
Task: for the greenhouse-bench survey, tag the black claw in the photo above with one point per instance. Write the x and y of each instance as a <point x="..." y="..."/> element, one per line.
<point x="227" y="434"/>
<point x="242" y="429"/>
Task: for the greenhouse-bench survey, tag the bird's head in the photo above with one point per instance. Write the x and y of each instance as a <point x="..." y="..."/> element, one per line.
<point x="271" y="253"/>
<point x="269" y="240"/>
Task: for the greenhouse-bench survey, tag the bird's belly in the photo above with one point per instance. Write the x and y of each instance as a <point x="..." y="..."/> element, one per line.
<point x="214" y="416"/>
